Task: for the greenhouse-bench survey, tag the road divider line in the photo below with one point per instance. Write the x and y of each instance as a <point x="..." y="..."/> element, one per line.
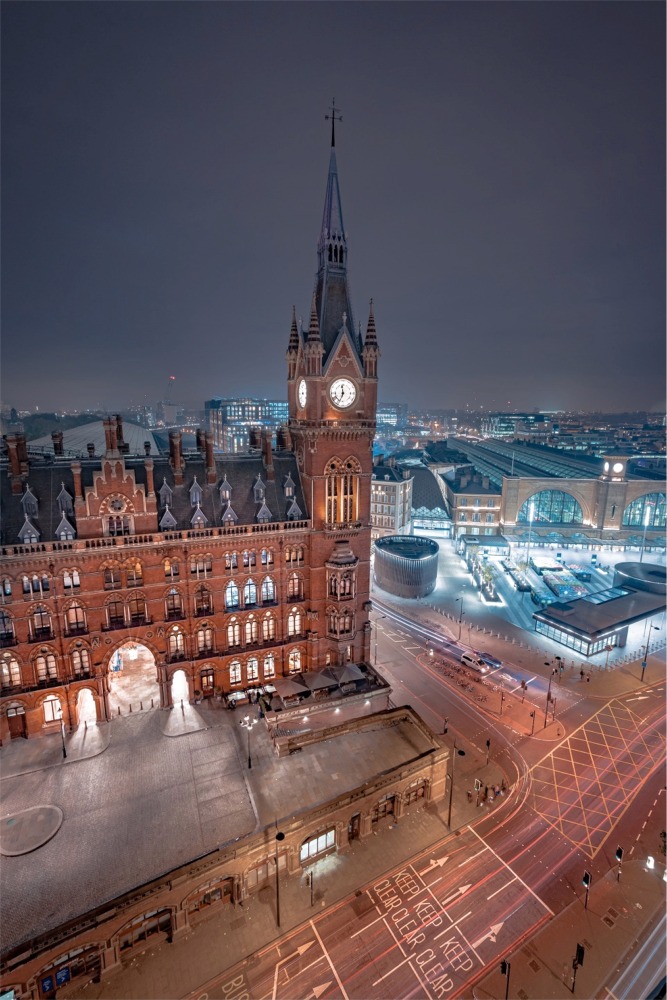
<point x="328" y="958"/>
<point x="517" y="877"/>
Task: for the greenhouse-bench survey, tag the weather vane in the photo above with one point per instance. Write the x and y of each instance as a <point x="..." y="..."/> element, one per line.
<point x="332" y="117"/>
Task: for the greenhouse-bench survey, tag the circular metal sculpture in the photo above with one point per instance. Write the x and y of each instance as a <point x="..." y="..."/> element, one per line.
<point x="405" y="565"/>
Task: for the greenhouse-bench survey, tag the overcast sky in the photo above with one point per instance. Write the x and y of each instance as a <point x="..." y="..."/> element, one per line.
<point x="502" y="172"/>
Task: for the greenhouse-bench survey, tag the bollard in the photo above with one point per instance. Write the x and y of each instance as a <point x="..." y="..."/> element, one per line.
<point x="119" y="709"/>
<point x="151" y="702"/>
<point x="141" y="706"/>
<point x="130" y="708"/>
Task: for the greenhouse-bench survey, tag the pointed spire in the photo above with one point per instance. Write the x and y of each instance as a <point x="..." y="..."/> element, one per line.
<point x="293" y="333"/>
<point x="314" y="326"/>
<point x="371" y="336"/>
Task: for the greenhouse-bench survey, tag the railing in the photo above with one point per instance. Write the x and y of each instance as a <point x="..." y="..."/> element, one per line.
<point x="114" y="625"/>
<point x="7" y="639"/>
<point x="71" y="630"/>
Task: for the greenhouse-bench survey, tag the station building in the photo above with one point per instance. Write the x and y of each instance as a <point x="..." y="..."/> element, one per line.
<point x="228" y="571"/>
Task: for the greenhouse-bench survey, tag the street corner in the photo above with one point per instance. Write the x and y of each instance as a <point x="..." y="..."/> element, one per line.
<point x="553" y="733"/>
<point x="25" y="831"/>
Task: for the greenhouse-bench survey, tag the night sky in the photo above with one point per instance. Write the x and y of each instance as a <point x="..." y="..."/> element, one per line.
<point x="502" y="171"/>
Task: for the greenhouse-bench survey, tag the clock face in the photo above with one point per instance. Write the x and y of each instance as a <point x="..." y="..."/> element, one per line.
<point x="302" y="393"/>
<point x="342" y="393"/>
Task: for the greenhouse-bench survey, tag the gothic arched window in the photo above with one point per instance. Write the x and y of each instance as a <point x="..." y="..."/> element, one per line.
<point x="342" y="497"/>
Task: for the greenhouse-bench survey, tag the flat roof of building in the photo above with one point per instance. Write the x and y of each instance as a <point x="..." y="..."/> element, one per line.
<point x="608" y="611"/>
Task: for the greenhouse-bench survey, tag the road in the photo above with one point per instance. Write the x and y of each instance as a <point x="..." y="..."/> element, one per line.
<point x="431" y="927"/>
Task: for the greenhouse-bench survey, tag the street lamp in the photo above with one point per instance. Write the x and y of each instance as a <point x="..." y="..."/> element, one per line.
<point x="531" y="515"/>
<point x="457" y="753"/>
<point x="648" y="640"/>
<point x="62" y="736"/>
<point x="459" y="601"/>
<point x="280" y="836"/>
<point x="546" y="707"/>
<point x="247" y="724"/>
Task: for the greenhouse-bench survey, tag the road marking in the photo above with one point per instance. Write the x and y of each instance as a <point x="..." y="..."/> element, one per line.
<point x="454" y="923"/>
<point x="505" y="865"/>
<point x="392" y="971"/>
<point x="473" y="856"/>
<point x="507" y="884"/>
<point x="367" y="926"/>
<point x="301" y="949"/>
<point x="328" y="958"/>
<point x="435" y="862"/>
<point x="491" y="935"/>
<point x="456" y="895"/>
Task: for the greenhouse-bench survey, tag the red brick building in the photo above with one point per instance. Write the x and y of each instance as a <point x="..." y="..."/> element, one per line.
<point x="229" y="571"/>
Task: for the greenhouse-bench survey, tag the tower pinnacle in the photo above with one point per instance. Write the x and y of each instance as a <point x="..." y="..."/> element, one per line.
<point x="332" y="117"/>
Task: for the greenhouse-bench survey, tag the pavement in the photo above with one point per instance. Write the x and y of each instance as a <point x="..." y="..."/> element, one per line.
<point x="618" y="913"/>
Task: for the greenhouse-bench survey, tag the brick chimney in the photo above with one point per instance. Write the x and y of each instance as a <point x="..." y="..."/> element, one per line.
<point x="147" y="447"/>
<point x="90" y="447"/>
<point x="76" y="475"/>
<point x="57" y="438"/>
<point x="211" y="471"/>
<point x="267" y="453"/>
<point x="111" y="437"/>
<point x="150" y="484"/>
<point x="16" y="466"/>
<point x="283" y="439"/>
<point x="200" y="440"/>
<point x="176" y="459"/>
<point x="255" y="438"/>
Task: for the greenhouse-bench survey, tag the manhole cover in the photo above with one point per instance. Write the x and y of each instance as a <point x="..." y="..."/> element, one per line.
<point x="535" y="966"/>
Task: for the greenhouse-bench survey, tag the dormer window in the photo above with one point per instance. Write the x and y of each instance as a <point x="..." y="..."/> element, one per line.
<point x="289" y="486"/>
<point x="165" y="494"/>
<point x="263" y="514"/>
<point x="229" y="517"/>
<point x="196" y="494"/>
<point x="294" y="512"/>
<point x="28" y="534"/>
<point x="64" y="531"/>
<point x="225" y="491"/>
<point x="199" y="519"/>
<point x="259" y="489"/>
<point x="29" y="503"/>
<point x="65" y="504"/>
<point x="168" y="521"/>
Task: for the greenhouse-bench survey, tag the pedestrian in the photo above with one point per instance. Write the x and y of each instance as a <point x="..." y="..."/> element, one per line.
<point x="588" y="678"/>
<point x="486" y="791"/>
<point x="469" y="795"/>
<point x="581" y="673"/>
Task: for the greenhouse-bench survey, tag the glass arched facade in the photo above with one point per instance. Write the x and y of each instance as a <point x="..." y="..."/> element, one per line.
<point x="647" y="510"/>
<point x="551" y="507"/>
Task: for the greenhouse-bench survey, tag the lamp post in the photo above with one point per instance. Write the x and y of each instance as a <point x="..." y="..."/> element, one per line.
<point x="546" y="707"/>
<point x="280" y="836"/>
<point x="531" y="515"/>
<point x="62" y="736"/>
<point x="648" y="641"/>
<point x="459" y="753"/>
<point x="247" y="724"/>
<point x="459" y="601"/>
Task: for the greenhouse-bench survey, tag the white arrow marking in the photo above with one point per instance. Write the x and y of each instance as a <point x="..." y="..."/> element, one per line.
<point x="434" y="863"/>
<point x="299" y="951"/>
<point x="319" y="990"/>
<point x="491" y="936"/>
<point x="641" y="697"/>
<point x="456" y="895"/>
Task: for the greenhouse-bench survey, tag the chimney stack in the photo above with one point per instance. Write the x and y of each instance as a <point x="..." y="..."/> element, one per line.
<point x="267" y="452"/>
<point x="91" y="449"/>
<point x="255" y="438"/>
<point x="147" y="447"/>
<point x="111" y="437"/>
<point x="211" y="471"/>
<point x="57" y="438"/>
<point x="199" y="436"/>
<point x="283" y="439"/>
<point x="76" y="475"/>
<point x="150" y="484"/>
<point x="15" y="464"/>
<point x="176" y="460"/>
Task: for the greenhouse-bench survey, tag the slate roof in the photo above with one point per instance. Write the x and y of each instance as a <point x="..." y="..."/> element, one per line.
<point x="425" y="490"/>
<point x="45" y="479"/>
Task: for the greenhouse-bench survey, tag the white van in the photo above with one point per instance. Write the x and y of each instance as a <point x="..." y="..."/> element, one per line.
<point x="470" y="660"/>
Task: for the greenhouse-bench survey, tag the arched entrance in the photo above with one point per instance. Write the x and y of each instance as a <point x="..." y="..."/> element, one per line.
<point x="179" y="688"/>
<point x="86" y="710"/>
<point x="132" y="679"/>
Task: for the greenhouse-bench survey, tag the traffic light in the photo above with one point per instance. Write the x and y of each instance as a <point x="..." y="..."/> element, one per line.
<point x="619" y="854"/>
<point x="587" y="879"/>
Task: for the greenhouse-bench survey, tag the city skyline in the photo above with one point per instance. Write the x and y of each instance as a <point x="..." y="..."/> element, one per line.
<point x="501" y="170"/>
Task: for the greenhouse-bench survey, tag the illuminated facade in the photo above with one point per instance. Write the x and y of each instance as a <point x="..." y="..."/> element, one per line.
<point x="228" y="571"/>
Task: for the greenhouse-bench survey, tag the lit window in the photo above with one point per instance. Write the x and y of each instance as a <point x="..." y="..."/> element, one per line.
<point x="52" y="709"/>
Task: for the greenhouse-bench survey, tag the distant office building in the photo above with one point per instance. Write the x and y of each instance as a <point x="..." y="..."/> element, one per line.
<point x="519" y="426"/>
<point x="392" y="415"/>
<point x="230" y="420"/>
<point x="391" y="500"/>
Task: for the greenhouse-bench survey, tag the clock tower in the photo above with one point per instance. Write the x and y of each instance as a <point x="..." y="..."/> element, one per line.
<point x="332" y="398"/>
